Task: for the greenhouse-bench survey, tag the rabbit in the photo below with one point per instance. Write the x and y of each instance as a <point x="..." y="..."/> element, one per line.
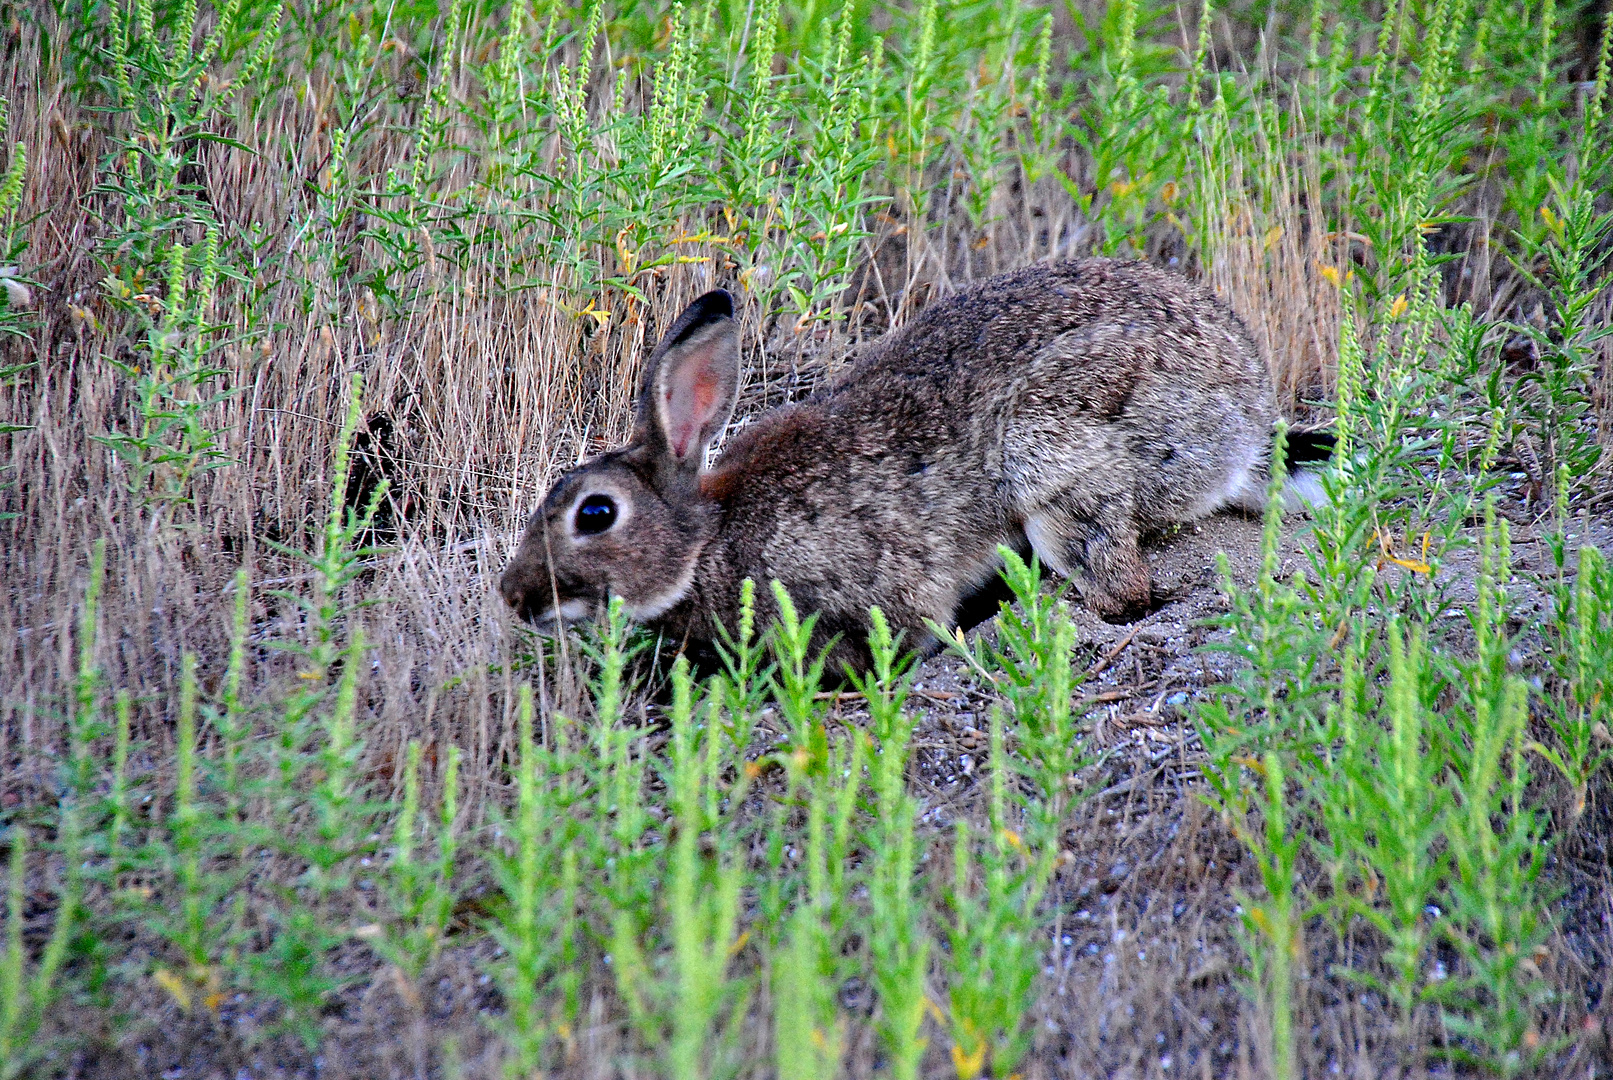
<point x="1064" y="409"/>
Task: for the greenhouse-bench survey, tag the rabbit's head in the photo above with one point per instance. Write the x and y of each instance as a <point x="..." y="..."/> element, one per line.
<point x="632" y="522"/>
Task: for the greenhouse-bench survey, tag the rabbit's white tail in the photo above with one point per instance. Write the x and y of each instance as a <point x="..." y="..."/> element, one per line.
<point x="1308" y="453"/>
<point x="1304" y="488"/>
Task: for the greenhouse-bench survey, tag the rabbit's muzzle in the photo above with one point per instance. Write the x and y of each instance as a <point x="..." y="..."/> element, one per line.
<point x="529" y="603"/>
<point x="519" y="597"/>
<point x="538" y="595"/>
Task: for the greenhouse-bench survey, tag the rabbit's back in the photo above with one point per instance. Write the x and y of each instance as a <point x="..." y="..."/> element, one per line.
<point x="1070" y="373"/>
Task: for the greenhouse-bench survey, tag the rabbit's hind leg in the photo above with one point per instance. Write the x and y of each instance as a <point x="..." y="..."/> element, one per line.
<point x="1098" y="550"/>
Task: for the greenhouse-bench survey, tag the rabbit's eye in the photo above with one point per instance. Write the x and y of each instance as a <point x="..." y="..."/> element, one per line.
<point x="596" y="514"/>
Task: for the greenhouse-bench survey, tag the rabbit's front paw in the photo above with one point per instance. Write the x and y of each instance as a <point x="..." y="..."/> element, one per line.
<point x="1119" y="598"/>
<point x="1102" y="558"/>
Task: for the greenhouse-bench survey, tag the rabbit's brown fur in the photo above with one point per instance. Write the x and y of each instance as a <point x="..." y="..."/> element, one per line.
<point x="1075" y="406"/>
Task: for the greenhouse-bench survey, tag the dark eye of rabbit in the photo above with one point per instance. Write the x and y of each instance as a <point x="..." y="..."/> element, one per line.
<point x="596" y="514"/>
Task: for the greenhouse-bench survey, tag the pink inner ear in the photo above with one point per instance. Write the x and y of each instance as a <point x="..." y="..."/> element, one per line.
<point x="686" y="417"/>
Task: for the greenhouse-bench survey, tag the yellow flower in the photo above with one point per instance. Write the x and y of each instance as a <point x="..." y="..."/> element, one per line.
<point x="629" y="259"/>
<point x="705" y="237"/>
<point x="968" y="1065"/>
<point x="174" y="985"/>
<point x="599" y="315"/>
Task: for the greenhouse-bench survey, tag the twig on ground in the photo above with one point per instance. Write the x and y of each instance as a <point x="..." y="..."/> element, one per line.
<point x="1098" y="668"/>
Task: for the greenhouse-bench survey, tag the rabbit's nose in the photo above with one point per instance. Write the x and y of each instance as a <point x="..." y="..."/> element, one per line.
<point x="512" y="589"/>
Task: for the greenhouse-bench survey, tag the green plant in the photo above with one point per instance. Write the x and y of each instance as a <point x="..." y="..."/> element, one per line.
<point x="1129" y="129"/>
<point x="821" y="212"/>
<point x="17" y="287"/>
<point x="1280" y="688"/>
<point x="796" y="678"/>
<point x="1498" y="850"/>
<point x="1246" y="728"/>
<point x="1034" y="652"/>
<point x="522" y="928"/>
<point x="1384" y="801"/>
<point x="174" y="96"/>
<point x="997" y="950"/>
<point x="320" y="815"/>
<point x="680" y="1014"/>
<point x="899" y="942"/>
<point x="421" y="896"/>
<point x="1271" y="928"/>
<point x="26" y="995"/>
<point x="703" y="898"/>
<point x="1559" y="389"/>
<point x="748" y="177"/>
<point x="742" y="686"/>
<point x="174" y="381"/>
<point x="809" y="1038"/>
<point x="190" y="927"/>
<point x="1562" y="253"/>
<point x="1580" y="715"/>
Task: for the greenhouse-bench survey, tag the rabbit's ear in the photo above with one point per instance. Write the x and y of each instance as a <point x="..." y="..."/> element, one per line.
<point x="692" y="380"/>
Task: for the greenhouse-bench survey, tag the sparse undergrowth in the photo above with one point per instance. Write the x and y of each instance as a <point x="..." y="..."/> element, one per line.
<point x="300" y="303"/>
